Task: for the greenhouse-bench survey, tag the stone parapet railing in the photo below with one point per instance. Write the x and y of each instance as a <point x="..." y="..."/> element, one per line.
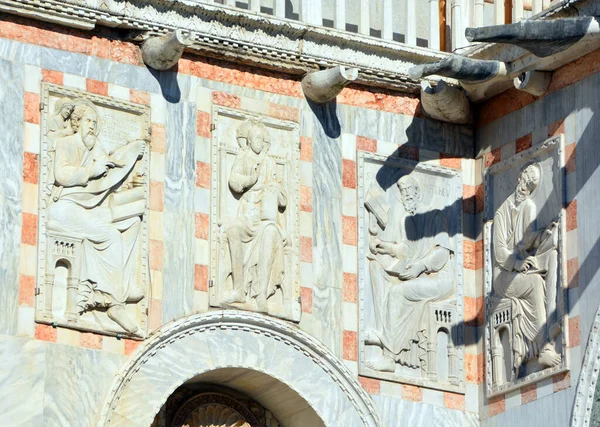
<point x="436" y="24"/>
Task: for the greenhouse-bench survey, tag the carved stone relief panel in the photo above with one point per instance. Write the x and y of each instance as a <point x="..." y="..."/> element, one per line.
<point x="93" y="238"/>
<point x="255" y="214"/>
<point x="524" y="236"/>
<point x="410" y="272"/>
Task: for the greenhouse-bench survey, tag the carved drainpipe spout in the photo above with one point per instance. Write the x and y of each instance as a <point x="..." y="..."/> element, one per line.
<point x="163" y="52"/>
<point x="542" y="38"/>
<point x="533" y="82"/>
<point x="458" y="67"/>
<point x="322" y="86"/>
<point x="445" y="103"/>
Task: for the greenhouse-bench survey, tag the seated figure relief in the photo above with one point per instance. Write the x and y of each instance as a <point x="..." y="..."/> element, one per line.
<point x="410" y="266"/>
<point x="254" y="241"/>
<point x="525" y="272"/>
<point x="97" y="199"/>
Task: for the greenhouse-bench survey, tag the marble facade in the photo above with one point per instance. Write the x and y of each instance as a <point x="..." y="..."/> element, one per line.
<point x="359" y="230"/>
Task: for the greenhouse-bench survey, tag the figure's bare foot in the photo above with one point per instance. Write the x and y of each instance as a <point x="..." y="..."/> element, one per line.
<point x="549" y="357"/>
<point x="118" y="314"/>
<point x="371" y="338"/>
<point x="234" y="296"/>
<point x="383" y="364"/>
<point x="554" y="330"/>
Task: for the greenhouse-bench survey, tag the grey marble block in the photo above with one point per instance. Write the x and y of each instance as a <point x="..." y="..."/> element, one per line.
<point x="553" y="410"/>
<point x="402" y="129"/>
<point x="21" y="382"/>
<point x="180" y="184"/>
<point x="327" y="238"/>
<point x="76" y="383"/>
<point x="11" y="159"/>
<point x="587" y="192"/>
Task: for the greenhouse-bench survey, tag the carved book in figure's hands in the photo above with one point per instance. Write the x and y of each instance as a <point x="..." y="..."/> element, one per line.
<point x="376" y="203"/>
<point x="128" y="204"/>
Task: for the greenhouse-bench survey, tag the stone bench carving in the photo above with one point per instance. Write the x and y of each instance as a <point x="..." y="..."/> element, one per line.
<point x="65" y="250"/>
<point x="442" y="318"/>
<point x="501" y="319"/>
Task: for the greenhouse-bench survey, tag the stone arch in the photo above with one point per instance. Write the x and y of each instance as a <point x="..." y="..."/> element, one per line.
<point x="586" y="397"/>
<point x="201" y="343"/>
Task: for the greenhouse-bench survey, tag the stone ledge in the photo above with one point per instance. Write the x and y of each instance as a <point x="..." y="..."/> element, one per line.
<point x="237" y="35"/>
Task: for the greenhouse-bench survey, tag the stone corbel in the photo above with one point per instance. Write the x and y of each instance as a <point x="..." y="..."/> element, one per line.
<point x="322" y="86"/>
<point x="163" y="52"/>
<point x="461" y="68"/>
<point x="533" y="82"/>
<point x="541" y="37"/>
<point x="445" y="103"/>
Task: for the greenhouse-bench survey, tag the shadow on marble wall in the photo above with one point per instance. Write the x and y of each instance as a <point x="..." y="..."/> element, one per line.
<point x="418" y="133"/>
<point x="168" y="83"/>
<point x="326" y="114"/>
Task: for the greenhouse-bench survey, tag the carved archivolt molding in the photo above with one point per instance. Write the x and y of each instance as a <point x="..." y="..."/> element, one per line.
<point x="176" y="342"/>
<point x="588" y="378"/>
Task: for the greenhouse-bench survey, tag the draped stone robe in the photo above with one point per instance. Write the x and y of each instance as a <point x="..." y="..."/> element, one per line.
<point x="79" y="207"/>
<point x="255" y="238"/>
<point x="401" y="305"/>
<point x="515" y="237"/>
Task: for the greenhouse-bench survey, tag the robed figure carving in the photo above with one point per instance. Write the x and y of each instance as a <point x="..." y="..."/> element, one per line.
<point x="525" y="271"/>
<point x="410" y="265"/>
<point x="96" y="196"/>
<point x="254" y="240"/>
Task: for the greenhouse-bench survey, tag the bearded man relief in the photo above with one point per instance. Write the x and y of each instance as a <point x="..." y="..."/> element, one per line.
<point x="525" y="272"/>
<point x="95" y="204"/>
<point x="411" y="266"/>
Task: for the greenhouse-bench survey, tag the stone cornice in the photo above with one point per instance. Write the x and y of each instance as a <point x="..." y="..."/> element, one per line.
<point x="241" y="36"/>
<point x="519" y="60"/>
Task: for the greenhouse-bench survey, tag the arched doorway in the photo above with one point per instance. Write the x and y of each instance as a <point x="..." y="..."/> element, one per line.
<point x="236" y="397"/>
<point x="246" y="352"/>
